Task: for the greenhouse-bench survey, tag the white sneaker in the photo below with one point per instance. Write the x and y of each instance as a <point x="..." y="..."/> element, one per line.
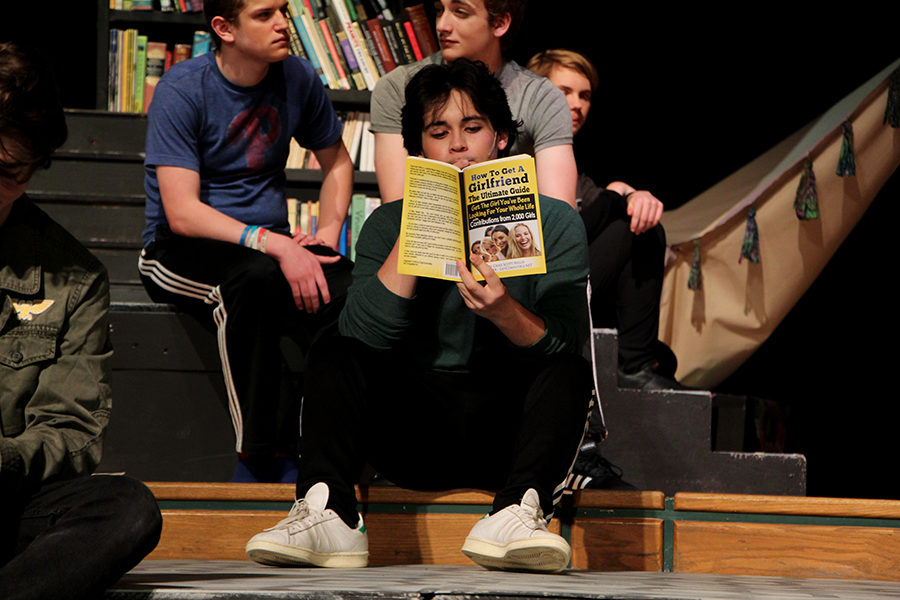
<point x="516" y="538"/>
<point x="311" y="535"/>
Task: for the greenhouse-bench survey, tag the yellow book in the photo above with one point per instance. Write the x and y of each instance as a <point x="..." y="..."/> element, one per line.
<point x="450" y="213"/>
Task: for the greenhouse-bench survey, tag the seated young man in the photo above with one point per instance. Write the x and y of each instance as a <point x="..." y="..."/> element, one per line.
<point x="627" y="243"/>
<point x="217" y="240"/>
<point x="482" y="30"/>
<point x="442" y="385"/>
<point x="63" y="534"/>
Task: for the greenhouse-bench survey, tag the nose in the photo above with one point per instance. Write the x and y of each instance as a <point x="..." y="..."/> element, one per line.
<point x="575" y="103"/>
<point x="443" y="22"/>
<point x="281" y="21"/>
<point x="458" y="141"/>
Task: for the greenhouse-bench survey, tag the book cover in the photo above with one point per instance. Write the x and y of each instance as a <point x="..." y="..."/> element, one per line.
<point x="296" y="44"/>
<point x="355" y="73"/>
<point x="413" y="42"/>
<point x="140" y="73"/>
<point x="305" y="40"/>
<point x="381" y="44"/>
<point x="367" y="59"/>
<point x="357" y="44"/>
<point x="447" y="210"/>
<point x="371" y="48"/>
<point x="361" y="206"/>
<point x="337" y="57"/>
<point x="182" y="52"/>
<point x="202" y="43"/>
<point x="403" y="40"/>
<point x="424" y="33"/>
<point x="390" y="34"/>
<point x="318" y="44"/>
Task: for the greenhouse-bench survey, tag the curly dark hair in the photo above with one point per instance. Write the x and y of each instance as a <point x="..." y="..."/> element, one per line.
<point x="429" y="90"/>
<point x="32" y="123"/>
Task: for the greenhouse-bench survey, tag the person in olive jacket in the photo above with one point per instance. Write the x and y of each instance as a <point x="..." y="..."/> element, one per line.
<point x="62" y="534"/>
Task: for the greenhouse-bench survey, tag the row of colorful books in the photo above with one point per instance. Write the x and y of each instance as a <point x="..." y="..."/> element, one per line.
<point x="359" y="141"/>
<point x="303" y="217"/>
<point x="136" y="65"/>
<point x="353" y="44"/>
<point x="183" y="6"/>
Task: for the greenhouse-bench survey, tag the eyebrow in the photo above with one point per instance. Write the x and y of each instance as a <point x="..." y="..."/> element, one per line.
<point x="467" y="119"/>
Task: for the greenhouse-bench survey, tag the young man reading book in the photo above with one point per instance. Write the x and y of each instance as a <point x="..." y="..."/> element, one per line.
<point x="481" y="30"/>
<point x="440" y="384"/>
<point x="217" y="241"/>
<point x="63" y="534"/>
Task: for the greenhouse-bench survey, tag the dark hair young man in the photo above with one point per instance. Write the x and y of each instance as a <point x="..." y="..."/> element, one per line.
<point x="217" y="239"/>
<point x="480" y="30"/>
<point x="62" y="534"/>
<point x="404" y="390"/>
<point x="627" y="243"/>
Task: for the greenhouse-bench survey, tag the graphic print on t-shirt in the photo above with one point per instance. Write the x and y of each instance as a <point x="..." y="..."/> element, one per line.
<point x="260" y="127"/>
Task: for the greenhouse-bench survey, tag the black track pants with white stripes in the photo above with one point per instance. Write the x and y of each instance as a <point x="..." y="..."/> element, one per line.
<point x="243" y="295"/>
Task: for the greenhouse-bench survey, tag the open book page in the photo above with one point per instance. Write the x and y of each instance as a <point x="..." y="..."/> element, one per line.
<point x="503" y="216"/>
<point x="431" y="228"/>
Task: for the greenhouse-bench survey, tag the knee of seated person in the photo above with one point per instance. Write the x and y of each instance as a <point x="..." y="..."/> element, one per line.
<point x="335" y="351"/>
<point x="573" y="371"/>
<point x="134" y="507"/>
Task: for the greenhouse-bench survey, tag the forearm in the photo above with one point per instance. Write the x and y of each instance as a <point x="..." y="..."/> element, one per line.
<point x="521" y="326"/>
<point x="399" y="284"/>
<point x="557" y="173"/>
<point x="390" y="160"/>
<point x="334" y="196"/>
<point x="186" y="214"/>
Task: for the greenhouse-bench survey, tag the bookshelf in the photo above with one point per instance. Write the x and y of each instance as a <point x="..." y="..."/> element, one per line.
<point x="162" y="26"/>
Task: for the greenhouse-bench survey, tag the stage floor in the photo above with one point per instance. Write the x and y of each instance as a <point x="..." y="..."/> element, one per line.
<point x="234" y="580"/>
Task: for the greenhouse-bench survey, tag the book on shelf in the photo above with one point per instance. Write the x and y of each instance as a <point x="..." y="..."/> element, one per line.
<point x="140" y="73"/>
<point x="424" y="32"/>
<point x="446" y="210"/>
<point x="413" y="42"/>
<point x="156" y="66"/>
<point x="361" y="206"/>
<point x="202" y="43"/>
<point x="336" y="56"/>
<point x="381" y="45"/>
<point x="182" y="52"/>
<point x="403" y="40"/>
<point x="371" y="49"/>
<point x="355" y="74"/>
<point x="296" y="44"/>
<point x="296" y="11"/>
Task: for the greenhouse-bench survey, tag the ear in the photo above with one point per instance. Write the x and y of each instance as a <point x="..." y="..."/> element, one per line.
<point x="500" y="24"/>
<point x="502" y="140"/>
<point x="223" y="28"/>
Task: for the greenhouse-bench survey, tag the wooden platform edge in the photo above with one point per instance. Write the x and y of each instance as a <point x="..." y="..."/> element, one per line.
<point x="284" y="492"/>
<point x="787" y="505"/>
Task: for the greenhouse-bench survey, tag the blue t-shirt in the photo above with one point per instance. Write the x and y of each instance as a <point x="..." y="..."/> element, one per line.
<point x="237" y="138"/>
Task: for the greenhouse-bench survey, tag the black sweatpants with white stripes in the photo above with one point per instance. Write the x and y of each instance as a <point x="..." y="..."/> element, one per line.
<point x="509" y="426"/>
<point x="243" y="295"/>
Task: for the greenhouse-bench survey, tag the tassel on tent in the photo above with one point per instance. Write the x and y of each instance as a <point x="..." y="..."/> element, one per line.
<point x="892" y="109"/>
<point x="847" y="161"/>
<point x="806" y="203"/>
<point x="695" y="279"/>
<point x="750" y="246"/>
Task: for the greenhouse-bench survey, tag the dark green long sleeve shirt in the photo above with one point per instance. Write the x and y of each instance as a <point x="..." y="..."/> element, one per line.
<point x="436" y="329"/>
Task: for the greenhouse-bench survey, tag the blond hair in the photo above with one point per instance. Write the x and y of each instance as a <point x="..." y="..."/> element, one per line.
<point x="543" y="62"/>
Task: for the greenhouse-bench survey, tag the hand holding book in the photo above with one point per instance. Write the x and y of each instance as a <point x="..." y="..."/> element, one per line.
<point x="492" y="301"/>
